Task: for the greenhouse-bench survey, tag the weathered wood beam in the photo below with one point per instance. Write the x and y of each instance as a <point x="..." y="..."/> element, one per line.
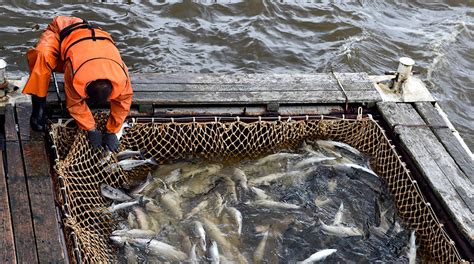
<point x="18" y="194"/>
<point x="41" y="191"/>
<point x="445" y="178"/>
<point x="7" y="243"/>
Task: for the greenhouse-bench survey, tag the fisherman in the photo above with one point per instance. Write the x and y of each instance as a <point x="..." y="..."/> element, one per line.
<point x="94" y="75"/>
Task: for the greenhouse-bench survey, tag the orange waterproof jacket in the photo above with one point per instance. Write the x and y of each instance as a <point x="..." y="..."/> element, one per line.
<point x="84" y="53"/>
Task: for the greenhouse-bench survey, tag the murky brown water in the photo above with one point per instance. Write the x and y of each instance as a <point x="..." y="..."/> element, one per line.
<point x="275" y="36"/>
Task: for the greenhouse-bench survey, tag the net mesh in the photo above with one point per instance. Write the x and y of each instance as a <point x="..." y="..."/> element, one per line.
<point x="80" y="171"/>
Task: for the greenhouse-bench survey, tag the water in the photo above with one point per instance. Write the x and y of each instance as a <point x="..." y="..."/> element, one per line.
<point x="308" y="195"/>
<point x="229" y="36"/>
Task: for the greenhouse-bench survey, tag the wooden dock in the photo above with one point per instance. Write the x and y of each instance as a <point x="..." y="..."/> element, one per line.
<point x="30" y="229"/>
<point x="30" y="232"/>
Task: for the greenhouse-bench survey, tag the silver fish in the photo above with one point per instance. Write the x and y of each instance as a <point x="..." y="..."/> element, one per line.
<point x="231" y="191"/>
<point x="338" y="216"/>
<point x="129" y="164"/>
<point x="134" y="233"/>
<point x="159" y="248"/>
<point x="266" y="180"/>
<point x="260" y="250"/>
<point x="312" y="161"/>
<point x="273" y="204"/>
<point x="142" y="218"/>
<point x="139" y="189"/>
<point x="239" y="176"/>
<point x="412" y="251"/>
<point x="172" y="202"/>
<point x="192" y="254"/>
<point x="237" y="218"/>
<point x="336" y="144"/>
<point x="126" y="154"/>
<point x="276" y="157"/>
<point x="113" y="193"/>
<point x="261" y="195"/>
<point x="200" y="234"/>
<point x="121" y="206"/>
<point x="214" y="253"/>
<point x="203" y="204"/>
<point x="345" y="166"/>
<point x="321" y="201"/>
<point x="320" y="255"/>
<point x="130" y="254"/>
<point x="216" y="234"/>
<point x="339" y="230"/>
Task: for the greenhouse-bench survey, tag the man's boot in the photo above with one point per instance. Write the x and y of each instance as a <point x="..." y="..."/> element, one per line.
<point x="38" y="115"/>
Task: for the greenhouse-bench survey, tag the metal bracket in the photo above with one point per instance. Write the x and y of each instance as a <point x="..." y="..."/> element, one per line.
<point x="273" y="107"/>
<point x="146" y="109"/>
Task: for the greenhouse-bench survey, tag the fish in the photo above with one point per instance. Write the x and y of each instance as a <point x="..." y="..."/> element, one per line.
<point x="216" y="234"/>
<point x="338" y="216"/>
<point x="273" y="204"/>
<point x="236" y="215"/>
<point x="345" y="166"/>
<point x="142" y="218"/>
<point x="199" y="233"/>
<point x="159" y="249"/>
<point x="173" y="176"/>
<point x="321" y="201"/>
<point x="261" y="195"/>
<point x="172" y="202"/>
<point x="311" y="161"/>
<point x="260" y="250"/>
<point x="132" y="221"/>
<point x="332" y="184"/>
<point x="239" y="176"/>
<point x="335" y="144"/>
<point x="203" y="204"/>
<point x="192" y="254"/>
<point x="275" y="157"/>
<point x="339" y="230"/>
<point x="231" y="191"/>
<point x="122" y="130"/>
<point x="412" y="250"/>
<point x="130" y="164"/>
<point x="266" y="180"/>
<point x="209" y="169"/>
<point x="214" y="253"/>
<point x="134" y="233"/>
<point x="113" y="193"/>
<point x="130" y="254"/>
<point x="121" y="206"/>
<point x="320" y="255"/>
<point x="139" y="189"/>
<point x="119" y="240"/>
<point x="126" y="154"/>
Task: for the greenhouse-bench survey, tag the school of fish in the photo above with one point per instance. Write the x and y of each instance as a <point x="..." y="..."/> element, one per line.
<point x="251" y="211"/>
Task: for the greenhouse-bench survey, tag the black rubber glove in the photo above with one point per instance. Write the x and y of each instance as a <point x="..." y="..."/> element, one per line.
<point x="111" y="141"/>
<point x="38" y="113"/>
<point x="95" y="138"/>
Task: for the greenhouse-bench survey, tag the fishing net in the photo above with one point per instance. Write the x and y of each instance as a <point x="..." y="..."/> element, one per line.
<point x="80" y="171"/>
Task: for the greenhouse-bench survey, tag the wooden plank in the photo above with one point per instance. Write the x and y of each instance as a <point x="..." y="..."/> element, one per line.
<point x="7" y="244"/>
<point x="443" y="175"/>
<point x="350" y="81"/>
<point x="20" y="205"/>
<point x="40" y="188"/>
<point x="165" y="111"/>
<point x="23" y="111"/>
<point x="444" y="134"/>
<point x="247" y="88"/>
<point x="11" y="133"/>
<point x="245" y="98"/>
